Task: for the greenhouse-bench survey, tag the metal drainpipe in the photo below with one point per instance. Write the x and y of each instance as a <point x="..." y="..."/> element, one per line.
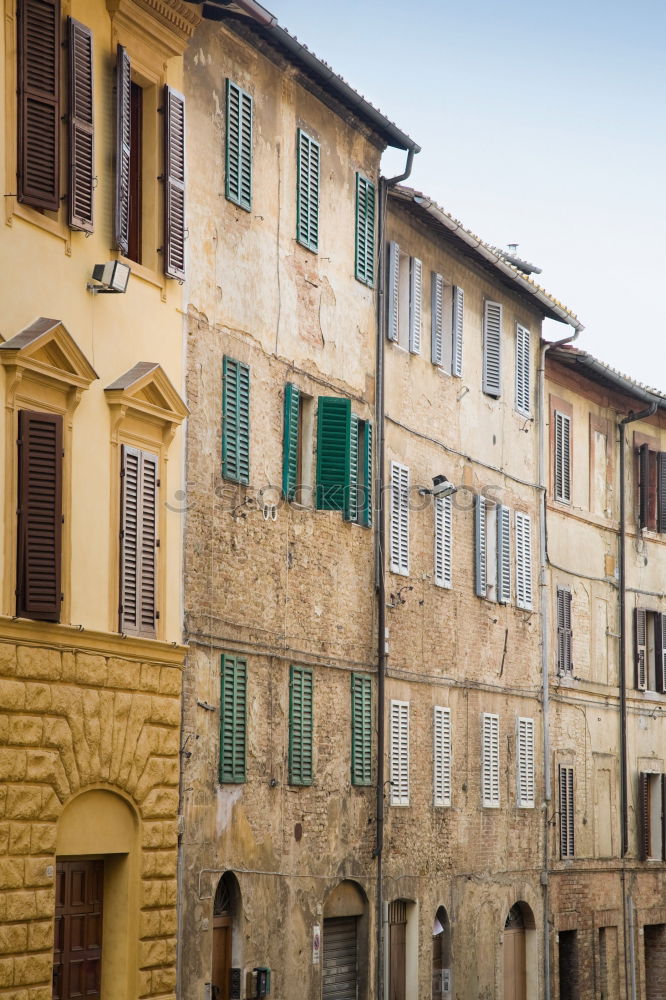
<point x="380" y="540"/>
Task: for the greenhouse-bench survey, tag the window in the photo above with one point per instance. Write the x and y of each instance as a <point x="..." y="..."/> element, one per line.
<point x="361" y="720"/>
<point x="399" y="762"/>
<point x="238" y="185"/>
<point x="447" y="309"/>
<point x="492" y="349"/>
<point x="566" y="788"/>
<point x="233" y="723"/>
<point x="364" y="477"/>
<point x="525" y="763"/>
<point x="564" y="633"/>
<point x="399" y="519"/>
<point x="651" y="821"/>
<point x="300" y="726"/>
<point x="236" y="421"/>
<point x="365" y="230"/>
<point x="39" y="550"/>
<point x="405" y="298"/>
<point x="650" y="650"/>
<point x="443" y="541"/>
<point x="138" y="541"/>
<point x="492" y="526"/>
<point x="307" y="192"/>
<point x="562" y="457"/>
<point x="523" y="561"/>
<point x="651" y="467"/>
<point x="523" y="371"/>
<point x="441" y="759"/>
<point x="298" y="446"/>
<point x="490" y="772"/>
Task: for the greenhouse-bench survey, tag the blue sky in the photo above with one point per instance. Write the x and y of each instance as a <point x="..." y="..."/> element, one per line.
<point x="542" y="125"/>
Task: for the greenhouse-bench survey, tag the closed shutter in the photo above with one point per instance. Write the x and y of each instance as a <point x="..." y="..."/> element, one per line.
<point x="307" y="191"/>
<point x="644" y="486"/>
<point x="503" y="554"/>
<point x="415" y="300"/>
<point x="365" y="500"/>
<point x="492" y="349"/>
<point x="490" y="774"/>
<point x="480" y="555"/>
<point x="123" y="149"/>
<point x="640" y="638"/>
<point x="564" y="633"/>
<point x="39" y="103"/>
<point x="399" y="519"/>
<point x="39" y="548"/>
<point x="238" y="184"/>
<point x="334" y="428"/>
<point x="292" y="396"/>
<point x="443" y="541"/>
<point x="644" y="815"/>
<point x="523" y="561"/>
<point x="567" y="843"/>
<point x="562" y="457"/>
<point x="663" y="817"/>
<point x="174" y="184"/>
<point x="350" y="505"/>
<point x="392" y="307"/>
<point x="236" y="421"/>
<point x="525" y="763"/>
<point x="523" y="371"/>
<point x="300" y="726"/>
<point x="233" y="719"/>
<point x="437" y="320"/>
<point x="365" y="230"/>
<point x="361" y="715"/>
<point x="660" y="654"/>
<point x="661" y="491"/>
<point x="138" y="542"/>
<point x="457" y="331"/>
<point x="399" y="771"/>
<point x="340" y="972"/>
<point x="441" y="756"/>
<point x="81" y="127"/>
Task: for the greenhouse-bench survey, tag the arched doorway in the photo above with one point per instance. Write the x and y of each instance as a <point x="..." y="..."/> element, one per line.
<point x="442" y="987"/>
<point x="519" y="930"/>
<point x="226" y="906"/>
<point x="344" y="944"/>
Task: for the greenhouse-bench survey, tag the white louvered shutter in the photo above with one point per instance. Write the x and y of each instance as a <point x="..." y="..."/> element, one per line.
<point x="503" y="554"/>
<point x="640" y="634"/>
<point x="567" y="845"/>
<point x="490" y="773"/>
<point x="562" y="457"/>
<point x="437" y="319"/>
<point x="443" y="540"/>
<point x="523" y="561"/>
<point x="457" y="331"/>
<point x="399" y="519"/>
<point x="523" y="371"/>
<point x="492" y="349"/>
<point x="525" y="763"/>
<point x="399" y="770"/>
<point x="441" y="770"/>
<point x="480" y="559"/>
<point x="415" y="299"/>
<point x="392" y="312"/>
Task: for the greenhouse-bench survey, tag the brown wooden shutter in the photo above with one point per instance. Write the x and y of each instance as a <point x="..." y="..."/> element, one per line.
<point x="123" y="149"/>
<point x="660" y="651"/>
<point x="174" y="184"/>
<point x="640" y="636"/>
<point x="661" y="491"/>
<point x="663" y="817"/>
<point x="39" y="103"/>
<point x="643" y="815"/>
<point x="138" y="541"/>
<point x="81" y="127"/>
<point x="643" y="486"/>
<point x="39" y="550"/>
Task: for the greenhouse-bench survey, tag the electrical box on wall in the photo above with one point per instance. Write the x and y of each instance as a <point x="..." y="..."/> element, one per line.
<point x="251" y="985"/>
<point x="235" y="984"/>
<point x="258" y="983"/>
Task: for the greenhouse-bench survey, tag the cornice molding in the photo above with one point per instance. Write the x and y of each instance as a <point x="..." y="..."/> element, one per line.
<point x="169" y="24"/>
<point x="70" y="638"/>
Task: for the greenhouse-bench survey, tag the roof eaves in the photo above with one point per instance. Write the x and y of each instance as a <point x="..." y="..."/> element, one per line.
<point x="599" y="371"/>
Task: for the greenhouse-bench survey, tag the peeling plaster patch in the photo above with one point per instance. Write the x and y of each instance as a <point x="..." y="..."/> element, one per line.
<point x="226" y="800"/>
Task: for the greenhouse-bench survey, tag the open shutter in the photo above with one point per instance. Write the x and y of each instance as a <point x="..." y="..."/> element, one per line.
<point x="361" y="714"/>
<point x="238" y="181"/>
<point x="233" y="719"/>
<point x="492" y="348"/>
<point x="644" y="815"/>
<point x="81" y="127"/>
<point x="441" y="770"/>
<point x="562" y="457"/>
<point x="457" y="331"/>
<point x="307" y="191"/>
<point x="236" y="421"/>
<point x="123" y="149"/>
<point x="660" y="652"/>
<point x="365" y="230"/>
<point x="350" y="507"/>
<point x="399" y="519"/>
<point x="564" y="634"/>
<point x="480" y="556"/>
<point x="523" y="561"/>
<point x="292" y="397"/>
<point x="490" y="775"/>
<point x="399" y="763"/>
<point x="39" y="103"/>
<point x="525" y="763"/>
<point x="415" y="300"/>
<point x="392" y="308"/>
<point x="443" y="541"/>
<point x="148" y="550"/>
<point x="174" y="184"/>
<point x="640" y="636"/>
<point x="663" y="817"/>
<point x="503" y="554"/>
<point x="138" y="542"/>
<point x="523" y="371"/>
<point x="437" y="320"/>
<point x="661" y="491"/>
<point x="365" y="499"/>
<point x="334" y="420"/>
<point x="300" y="726"/>
<point x="644" y="486"/>
<point x="39" y="549"/>
<point x="567" y="844"/>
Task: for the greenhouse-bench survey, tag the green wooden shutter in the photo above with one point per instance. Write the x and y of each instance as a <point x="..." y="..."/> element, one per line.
<point x="361" y="716"/>
<point x="233" y="719"/>
<point x="365" y="230"/>
<point x="300" y="726"/>
<point x="350" y="511"/>
<point x="365" y="497"/>
<point x="334" y="419"/>
<point x="292" y="395"/>
<point x="238" y="187"/>
<point x="307" y="192"/>
<point x="236" y="421"/>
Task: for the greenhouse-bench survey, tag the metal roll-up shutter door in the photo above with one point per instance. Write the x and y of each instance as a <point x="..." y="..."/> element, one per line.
<point x="340" y="959"/>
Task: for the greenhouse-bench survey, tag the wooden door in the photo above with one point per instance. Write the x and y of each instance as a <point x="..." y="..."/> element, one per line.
<point x="515" y="986"/>
<point x="397" y="950"/>
<point x="77" y="948"/>
<point x="221" y="958"/>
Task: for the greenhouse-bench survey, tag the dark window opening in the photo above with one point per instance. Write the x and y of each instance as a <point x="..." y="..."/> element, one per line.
<point x="135" y="178"/>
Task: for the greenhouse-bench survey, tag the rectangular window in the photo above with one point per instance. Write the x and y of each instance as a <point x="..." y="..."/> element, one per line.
<point x="525" y="763"/>
<point x="405" y="299"/>
<point x="492" y="349"/>
<point x="300" y="726"/>
<point x="564" y="632"/>
<point x="441" y="770"/>
<point x="39" y="534"/>
<point x="238" y="184"/>
<point x="490" y="764"/>
<point x="650" y="650"/>
<point x="562" y="457"/>
<point x="236" y="421"/>
<point x="566" y="789"/>
<point x="651" y="478"/>
<point x="399" y="763"/>
<point x="233" y="719"/>
<point x="365" y="230"/>
<point x="523" y="561"/>
<point x="399" y="519"/>
<point x="297" y="446"/>
<point x="651" y="818"/>
<point x="492" y="546"/>
<point x="447" y="308"/>
<point x="523" y="371"/>
<point x="443" y="541"/>
<point x="138" y="542"/>
<point x="307" y="191"/>
<point x="361" y="720"/>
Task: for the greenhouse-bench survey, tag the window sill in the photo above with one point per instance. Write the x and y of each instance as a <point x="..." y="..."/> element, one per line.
<point x="142" y="272"/>
<point x="35" y="218"/>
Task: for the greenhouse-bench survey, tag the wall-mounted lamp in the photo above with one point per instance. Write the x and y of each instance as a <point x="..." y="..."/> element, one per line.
<point x="112" y="277"/>
<point x="441" y="487"/>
